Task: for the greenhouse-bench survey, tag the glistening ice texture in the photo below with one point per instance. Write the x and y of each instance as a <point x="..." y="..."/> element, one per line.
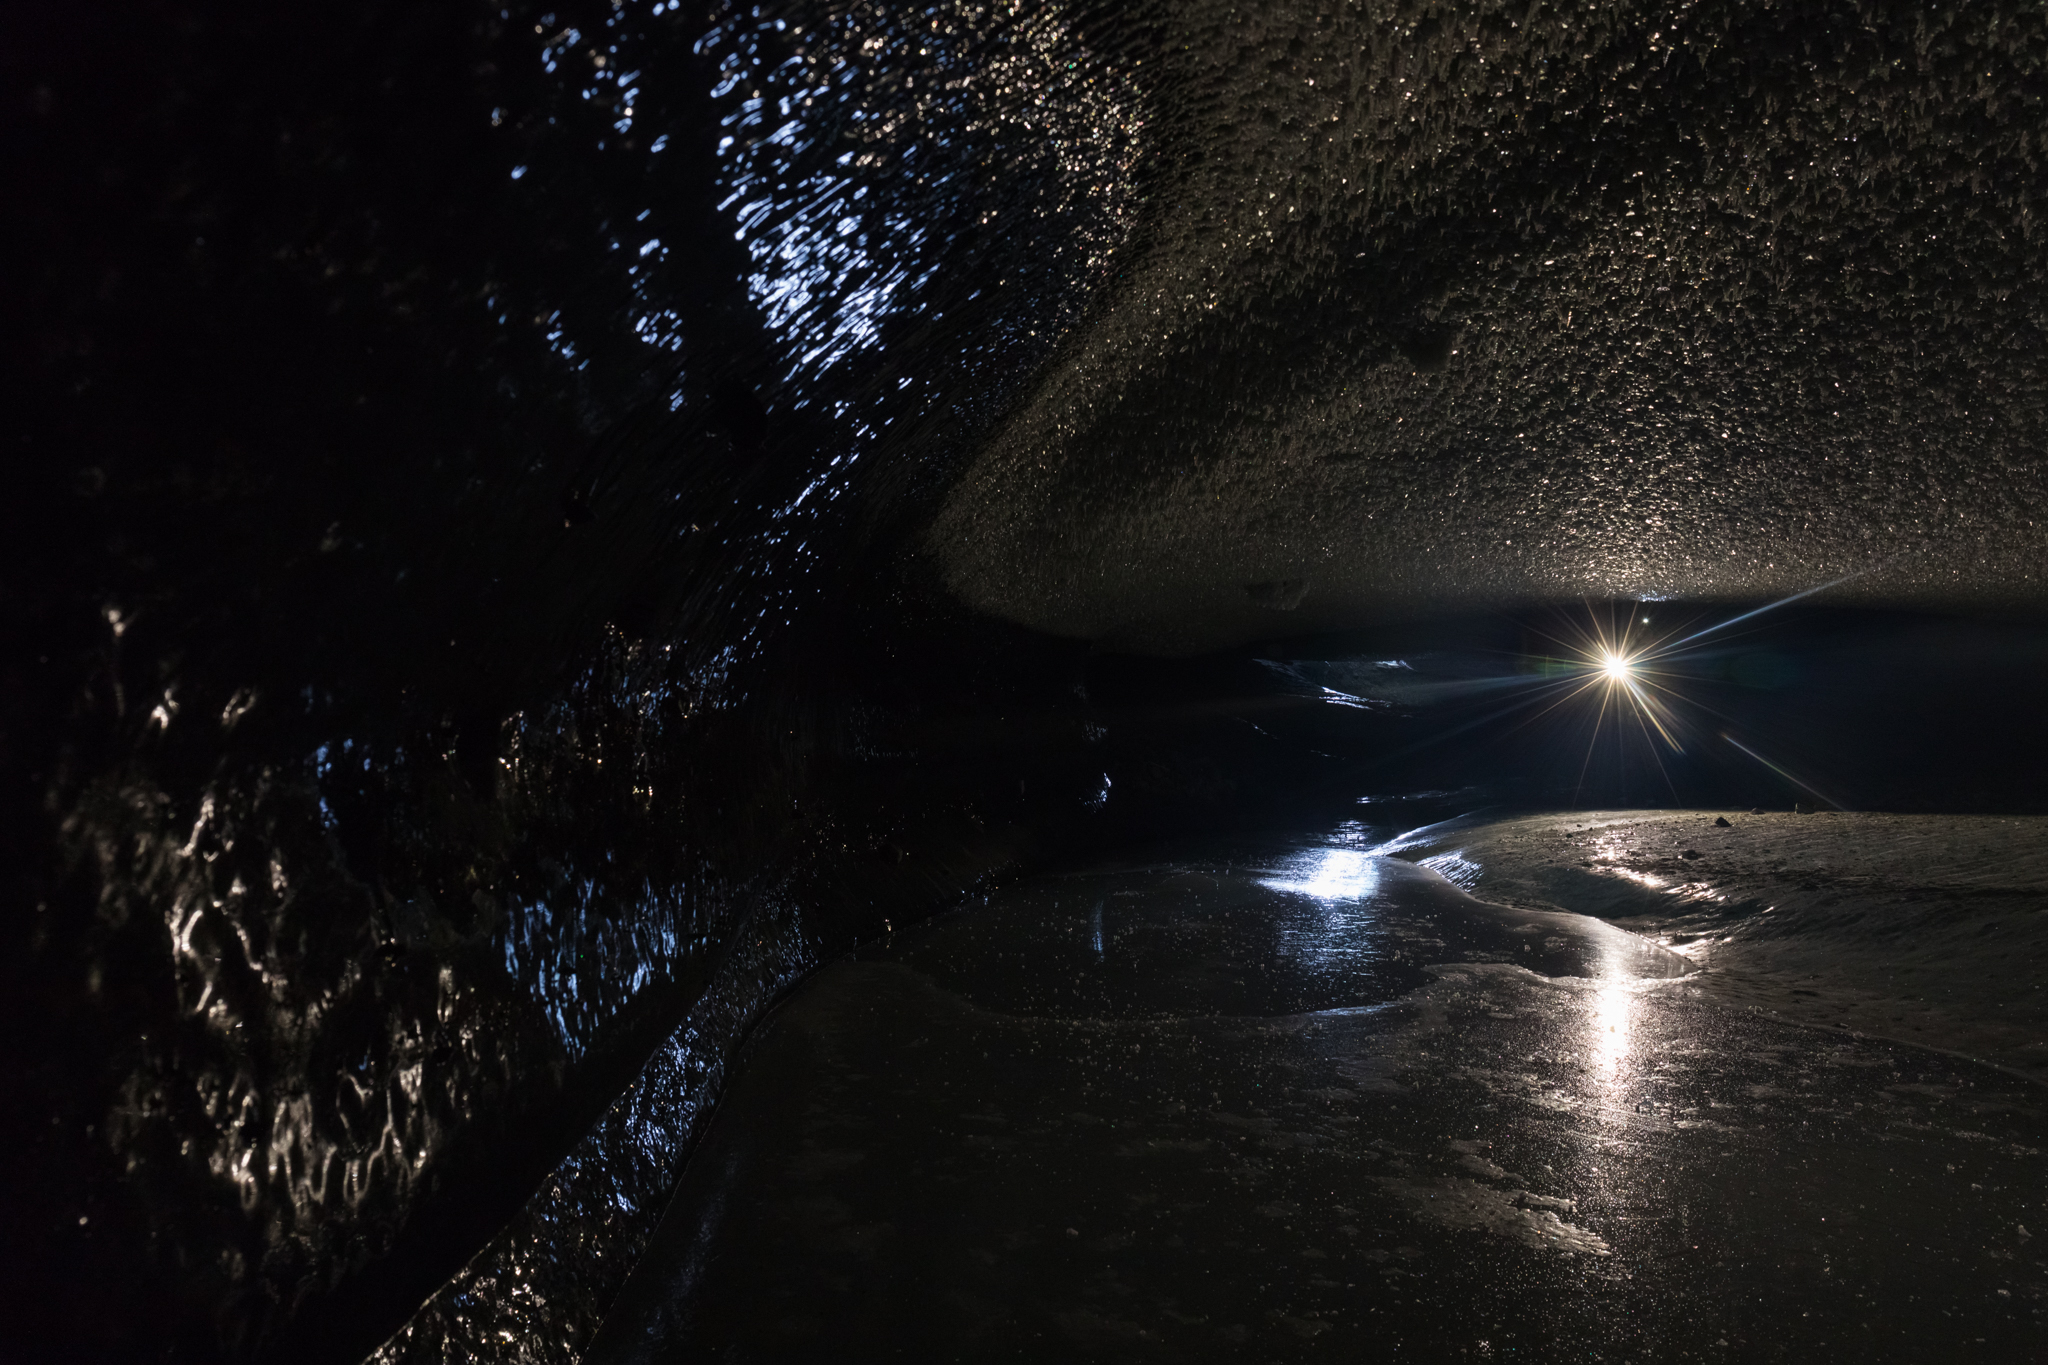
<point x="1490" y="303"/>
<point x="465" y="464"/>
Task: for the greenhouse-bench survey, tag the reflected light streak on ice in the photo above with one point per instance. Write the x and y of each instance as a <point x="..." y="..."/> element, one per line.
<point x="1329" y="875"/>
<point x="1610" y="1030"/>
<point x="1456" y="869"/>
<point x="1342" y="883"/>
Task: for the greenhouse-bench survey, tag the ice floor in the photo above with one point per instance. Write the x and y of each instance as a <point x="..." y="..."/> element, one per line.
<point x="1931" y="929"/>
<point x="1308" y="1101"/>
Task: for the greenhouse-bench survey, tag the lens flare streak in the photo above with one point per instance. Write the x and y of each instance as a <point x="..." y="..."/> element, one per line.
<point x="1796" y="781"/>
<point x="1635" y="673"/>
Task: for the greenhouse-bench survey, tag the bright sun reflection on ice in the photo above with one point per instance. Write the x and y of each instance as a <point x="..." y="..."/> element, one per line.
<point x="1343" y="883"/>
<point x="1328" y="874"/>
<point x="1610" y="1027"/>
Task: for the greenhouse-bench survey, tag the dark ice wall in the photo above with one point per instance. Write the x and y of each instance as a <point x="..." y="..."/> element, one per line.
<point x="449" y="601"/>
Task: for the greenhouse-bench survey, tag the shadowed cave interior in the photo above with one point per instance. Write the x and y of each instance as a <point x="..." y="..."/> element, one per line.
<point x="1183" y="681"/>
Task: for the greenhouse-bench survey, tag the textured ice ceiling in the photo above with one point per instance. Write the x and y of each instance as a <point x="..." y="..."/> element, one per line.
<point x="1431" y="307"/>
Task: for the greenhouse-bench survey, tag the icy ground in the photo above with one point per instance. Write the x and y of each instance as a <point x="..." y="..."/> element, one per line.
<point x="1926" y="928"/>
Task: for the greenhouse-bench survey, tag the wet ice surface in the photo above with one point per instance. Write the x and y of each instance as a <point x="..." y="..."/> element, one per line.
<point x="1316" y="929"/>
<point x="1925" y="928"/>
<point x="1302" y="1104"/>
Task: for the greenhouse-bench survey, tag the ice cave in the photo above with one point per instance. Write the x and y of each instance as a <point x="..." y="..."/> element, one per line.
<point x="1025" y="680"/>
